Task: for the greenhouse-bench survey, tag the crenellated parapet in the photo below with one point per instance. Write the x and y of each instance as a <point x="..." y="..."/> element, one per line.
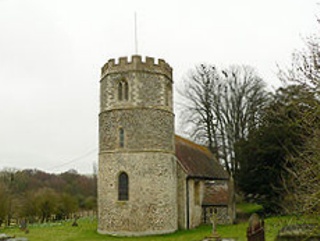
<point x="136" y="64"/>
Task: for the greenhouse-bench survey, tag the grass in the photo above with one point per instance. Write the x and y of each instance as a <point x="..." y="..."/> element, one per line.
<point x="249" y="208"/>
<point x="86" y="231"/>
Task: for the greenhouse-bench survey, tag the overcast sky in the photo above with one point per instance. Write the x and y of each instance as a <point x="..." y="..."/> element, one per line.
<point x="51" y="52"/>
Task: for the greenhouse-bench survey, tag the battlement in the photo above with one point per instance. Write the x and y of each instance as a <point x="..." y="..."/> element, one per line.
<point x="136" y="64"/>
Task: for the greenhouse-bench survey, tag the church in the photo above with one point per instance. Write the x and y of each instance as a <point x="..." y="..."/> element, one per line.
<point x="151" y="181"/>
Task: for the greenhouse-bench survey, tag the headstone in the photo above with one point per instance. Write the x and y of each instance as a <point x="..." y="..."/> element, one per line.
<point x="17" y="239"/>
<point x="254" y="221"/>
<point x="24" y="226"/>
<point x="308" y="232"/>
<point x="4" y="237"/>
<point x="214" y="221"/>
<point x="75" y="224"/>
<point x="255" y="231"/>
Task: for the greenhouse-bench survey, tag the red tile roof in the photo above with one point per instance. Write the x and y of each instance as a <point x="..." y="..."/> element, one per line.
<point x="198" y="161"/>
<point x="215" y="195"/>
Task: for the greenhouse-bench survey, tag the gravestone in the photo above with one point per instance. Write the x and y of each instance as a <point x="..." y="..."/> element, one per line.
<point x="4" y="237"/>
<point x="24" y="226"/>
<point x="17" y="239"/>
<point x="297" y="232"/>
<point x="214" y="221"/>
<point x="75" y="224"/>
<point x="255" y="231"/>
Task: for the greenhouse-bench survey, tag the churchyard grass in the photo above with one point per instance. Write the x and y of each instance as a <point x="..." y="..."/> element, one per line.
<point x="248" y="208"/>
<point x="86" y="231"/>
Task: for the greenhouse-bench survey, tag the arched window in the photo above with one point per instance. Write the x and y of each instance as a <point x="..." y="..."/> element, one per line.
<point x="121" y="137"/>
<point x="123" y="90"/>
<point x="123" y="187"/>
<point x="120" y="91"/>
<point x="126" y="90"/>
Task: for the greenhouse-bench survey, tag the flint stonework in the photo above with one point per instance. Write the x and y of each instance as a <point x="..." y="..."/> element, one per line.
<point x="147" y="154"/>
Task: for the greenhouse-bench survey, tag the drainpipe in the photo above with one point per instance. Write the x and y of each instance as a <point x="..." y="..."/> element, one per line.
<point x="187" y="197"/>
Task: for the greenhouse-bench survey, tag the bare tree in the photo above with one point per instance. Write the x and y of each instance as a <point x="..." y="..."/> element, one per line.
<point x="221" y="107"/>
<point x="243" y="100"/>
<point x="305" y="67"/>
<point x="200" y="96"/>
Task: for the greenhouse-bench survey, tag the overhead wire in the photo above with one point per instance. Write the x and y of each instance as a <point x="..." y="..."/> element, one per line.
<point x="75" y="159"/>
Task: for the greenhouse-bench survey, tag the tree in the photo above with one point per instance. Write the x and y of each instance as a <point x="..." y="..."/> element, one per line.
<point x="302" y="186"/>
<point x="305" y="69"/>
<point x="200" y="90"/>
<point x="28" y="208"/>
<point x="10" y="201"/>
<point x="46" y="203"/>
<point x="222" y="107"/>
<point x="266" y="157"/>
<point x="34" y="194"/>
<point x="4" y="202"/>
<point x="66" y="205"/>
<point x="293" y="153"/>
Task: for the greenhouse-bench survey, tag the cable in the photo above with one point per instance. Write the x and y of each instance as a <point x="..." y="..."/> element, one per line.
<point x="75" y="159"/>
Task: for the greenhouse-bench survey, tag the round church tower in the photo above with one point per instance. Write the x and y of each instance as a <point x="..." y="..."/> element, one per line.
<point x="137" y="184"/>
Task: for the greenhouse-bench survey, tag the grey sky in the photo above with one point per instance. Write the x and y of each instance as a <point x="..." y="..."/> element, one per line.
<point x="51" y="52"/>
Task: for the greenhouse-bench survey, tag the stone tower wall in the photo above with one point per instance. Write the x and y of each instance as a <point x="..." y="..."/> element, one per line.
<point x="144" y="130"/>
<point x="150" y="84"/>
<point x="147" y="155"/>
<point x="151" y="208"/>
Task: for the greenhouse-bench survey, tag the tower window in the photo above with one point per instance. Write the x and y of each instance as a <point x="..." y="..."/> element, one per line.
<point x="167" y="94"/>
<point x="123" y="90"/>
<point x="121" y="137"/>
<point x="123" y="187"/>
<point x="126" y="91"/>
<point x="120" y="91"/>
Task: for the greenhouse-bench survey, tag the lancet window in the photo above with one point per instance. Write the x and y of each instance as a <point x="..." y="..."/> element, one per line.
<point x="123" y="187"/>
<point x="121" y="137"/>
<point x="123" y="90"/>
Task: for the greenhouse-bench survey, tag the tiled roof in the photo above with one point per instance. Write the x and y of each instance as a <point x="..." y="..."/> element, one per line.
<point x="198" y="161"/>
<point x="215" y="195"/>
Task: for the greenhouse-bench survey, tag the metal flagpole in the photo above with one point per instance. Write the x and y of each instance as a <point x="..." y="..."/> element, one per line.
<point x="135" y="33"/>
